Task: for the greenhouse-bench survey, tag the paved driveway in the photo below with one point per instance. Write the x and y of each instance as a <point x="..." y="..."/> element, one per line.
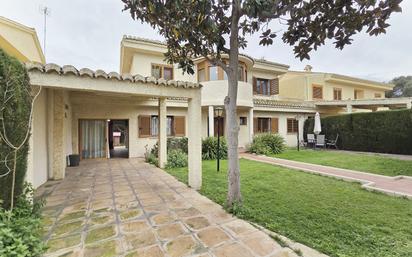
<point x="124" y="207"/>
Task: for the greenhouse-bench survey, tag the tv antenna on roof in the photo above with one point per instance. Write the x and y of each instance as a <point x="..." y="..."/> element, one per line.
<point x="45" y="11"/>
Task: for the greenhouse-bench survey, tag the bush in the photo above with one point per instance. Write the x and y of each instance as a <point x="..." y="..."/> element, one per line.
<point x="15" y="113"/>
<point x="383" y="131"/>
<point x="20" y="229"/>
<point x="176" y="158"/>
<point x="173" y="143"/>
<point x="267" y="144"/>
<point x="209" y="148"/>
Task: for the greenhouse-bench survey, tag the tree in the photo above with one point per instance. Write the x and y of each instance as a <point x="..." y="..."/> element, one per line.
<point x="402" y="88"/>
<point x="216" y="30"/>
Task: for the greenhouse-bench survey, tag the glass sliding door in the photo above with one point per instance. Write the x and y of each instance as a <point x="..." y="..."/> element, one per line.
<point x="93" y="139"/>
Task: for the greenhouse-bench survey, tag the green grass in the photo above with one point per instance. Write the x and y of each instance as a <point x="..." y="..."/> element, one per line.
<point x="360" y="162"/>
<point x="335" y="217"/>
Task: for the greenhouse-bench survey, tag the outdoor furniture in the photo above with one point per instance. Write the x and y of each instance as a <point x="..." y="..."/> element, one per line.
<point x="333" y="142"/>
<point x="311" y="139"/>
<point x="320" y="141"/>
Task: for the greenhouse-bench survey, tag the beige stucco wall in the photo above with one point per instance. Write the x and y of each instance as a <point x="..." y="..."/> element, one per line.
<point x="214" y="93"/>
<point x="142" y="65"/>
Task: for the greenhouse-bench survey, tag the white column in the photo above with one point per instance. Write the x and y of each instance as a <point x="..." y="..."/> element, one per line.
<point x="349" y="108"/>
<point x="211" y="118"/>
<point x="162" y="135"/>
<point x="409" y="105"/>
<point x="195" y="142"/>
<point x="251" y="125"/>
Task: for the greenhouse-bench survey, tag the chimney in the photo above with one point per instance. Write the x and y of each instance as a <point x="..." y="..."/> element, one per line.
<point x="308" y="68"/>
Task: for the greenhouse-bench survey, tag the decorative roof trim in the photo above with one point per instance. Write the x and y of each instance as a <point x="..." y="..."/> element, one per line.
<point x="280" y="104"/>
<point x="68" y="70"/>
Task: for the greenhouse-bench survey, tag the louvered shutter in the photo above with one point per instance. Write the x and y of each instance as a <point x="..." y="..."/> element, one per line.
<point x="255" y="92"/>
<point x="179" y="126"/>
<point x="255" y="125"/>
<point x="317" y="92"/>
<point x="274" y="86"/>
<point x="274" y="125"/>
<point x="144" y="125"/>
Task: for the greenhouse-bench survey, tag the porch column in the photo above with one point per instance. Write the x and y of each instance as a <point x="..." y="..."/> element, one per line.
<point x="211" y="117"/>
<point x="56" y="118"/>
<point x="195" y="142"/>
<point x="162" y="133"/>
<point x="251" y="125"/>
<point x="349" y="108"/>
<point x="409" y="105"/>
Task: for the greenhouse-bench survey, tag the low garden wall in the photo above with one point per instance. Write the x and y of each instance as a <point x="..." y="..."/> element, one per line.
<point x="383" y="132"/>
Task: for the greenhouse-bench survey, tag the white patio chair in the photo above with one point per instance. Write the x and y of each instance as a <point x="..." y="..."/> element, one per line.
<point x="333" y="142"/>
<point x="311" y="139"/>
<point x="320" y="141"/>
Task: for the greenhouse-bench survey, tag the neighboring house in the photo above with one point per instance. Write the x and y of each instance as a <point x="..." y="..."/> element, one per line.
<point x="151" y="100"/>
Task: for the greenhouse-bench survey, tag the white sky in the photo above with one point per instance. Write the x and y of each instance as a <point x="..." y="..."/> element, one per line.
<point x="88" y="34"/>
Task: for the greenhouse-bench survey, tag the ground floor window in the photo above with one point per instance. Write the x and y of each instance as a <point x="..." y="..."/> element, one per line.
<point x="154" y="126"/>
<point x="149" y="126"/>
<point x="292" y="126"/>
<point x="243" y="121"/>
<point x="263" y="125"/>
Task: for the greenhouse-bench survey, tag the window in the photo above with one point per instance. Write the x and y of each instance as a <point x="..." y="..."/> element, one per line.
<point x="262" y="86"/>
<point x="167" y="73"/>
<point x="154" y="126"/>
<point x="337" y="94"/>
<point x="263" y="125"/>
<point x="240" y="73"/>
<point x="162" y="71"/>
<point x="157" y="71"/>
<point x="213" y="73"/>
<point x="292" y="126"/>
<point x="378" y="95"/>
<point x="201" y="75"/>
<point x="358" y="94"/>
<point x="317" y="92"/>
<point x="243" y="121"/>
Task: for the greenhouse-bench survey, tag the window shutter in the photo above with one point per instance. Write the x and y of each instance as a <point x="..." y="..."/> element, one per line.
<point x="317" y="92"/>
<point x="274" y="86"/>
<point x="255" y="125"/>
<point x="274" y="126"/>
<point x="255" y="92"/>
<point x="179" y="126"/>
<point x="144" y="125"/>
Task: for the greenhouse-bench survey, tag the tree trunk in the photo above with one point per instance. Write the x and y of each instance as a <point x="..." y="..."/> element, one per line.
<point x="232" y="128"/>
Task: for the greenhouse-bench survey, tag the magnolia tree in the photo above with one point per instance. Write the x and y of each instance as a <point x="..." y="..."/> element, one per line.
<point x="216" y="30"/>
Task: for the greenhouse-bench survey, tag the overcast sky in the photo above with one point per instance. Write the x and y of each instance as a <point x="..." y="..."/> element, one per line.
<point x="88" y="34"/>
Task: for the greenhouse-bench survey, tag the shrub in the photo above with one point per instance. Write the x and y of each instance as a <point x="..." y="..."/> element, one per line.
<point x="173" y="143"/>
<point x="15" y="112"/>
<point x="20" y="229"/>
<point x="209" y="148"/>
<point x="176" y="158"/>
<point x="383" y="131"/>
<point x="267" y="144"/>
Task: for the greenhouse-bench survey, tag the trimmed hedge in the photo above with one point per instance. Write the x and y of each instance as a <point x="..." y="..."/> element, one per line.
<point x="383" y="132"/>
<point x="16" y="113"/>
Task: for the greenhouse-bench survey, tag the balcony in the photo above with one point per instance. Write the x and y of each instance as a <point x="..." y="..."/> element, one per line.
<point x="214" y="93"/>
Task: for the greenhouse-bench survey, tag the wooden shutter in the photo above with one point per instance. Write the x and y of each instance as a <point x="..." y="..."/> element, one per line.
<point x="144" y="125"/>
<point x="274" y="86"/>
<point x="255" y="92"/>
<point x="179" y="126"/>
<point x="255" y="125"/>
<point x="274" y="125"/>
<point x="317" y="92"/>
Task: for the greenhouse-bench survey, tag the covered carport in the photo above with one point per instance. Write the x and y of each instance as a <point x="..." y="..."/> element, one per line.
<point x="59" y="82"/>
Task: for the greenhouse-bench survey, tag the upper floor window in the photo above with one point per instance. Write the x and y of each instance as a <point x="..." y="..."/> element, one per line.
<point x="337" y="94"/>
<point x="262" y="86"/>
<point x="358" y="94"/>
<point x="162" y="71"/>
<point x="378" y="95"/>
<point x="317" y="92"/>
<point x="213" y="73"/>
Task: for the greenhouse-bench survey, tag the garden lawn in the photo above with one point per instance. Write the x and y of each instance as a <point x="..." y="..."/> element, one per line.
<point x="335" y="217"/>
<point x="359" y="162"/>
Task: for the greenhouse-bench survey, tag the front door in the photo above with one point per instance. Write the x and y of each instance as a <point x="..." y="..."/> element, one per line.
<point x="92" y="139"/>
